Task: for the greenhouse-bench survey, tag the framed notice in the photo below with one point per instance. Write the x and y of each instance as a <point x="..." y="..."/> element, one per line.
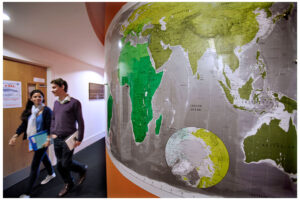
<point x="96" y="91"/>
<point x="12" y="94"/>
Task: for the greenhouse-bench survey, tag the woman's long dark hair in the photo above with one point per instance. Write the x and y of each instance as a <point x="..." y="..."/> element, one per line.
<point x="27" y="112"/>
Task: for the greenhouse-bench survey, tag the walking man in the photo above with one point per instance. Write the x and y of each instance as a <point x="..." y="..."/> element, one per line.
<point x="66" y="112"/>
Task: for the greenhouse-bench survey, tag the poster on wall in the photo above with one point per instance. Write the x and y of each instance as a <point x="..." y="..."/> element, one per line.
<point x="12" y="94"/>
<point x="96" y="91"/>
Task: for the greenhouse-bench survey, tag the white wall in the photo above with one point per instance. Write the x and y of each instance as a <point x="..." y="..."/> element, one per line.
<point x="75" y="72"/>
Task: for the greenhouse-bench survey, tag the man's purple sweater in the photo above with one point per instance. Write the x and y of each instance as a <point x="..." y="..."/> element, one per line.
<point x="64" y="119"/>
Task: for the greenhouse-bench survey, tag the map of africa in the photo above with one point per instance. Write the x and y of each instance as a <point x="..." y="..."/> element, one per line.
<point x="227" y="69"/>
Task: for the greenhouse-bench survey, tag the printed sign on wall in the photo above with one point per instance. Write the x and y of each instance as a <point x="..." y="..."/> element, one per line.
<point x="12" y="94"/>
<point x="96" y="91"/>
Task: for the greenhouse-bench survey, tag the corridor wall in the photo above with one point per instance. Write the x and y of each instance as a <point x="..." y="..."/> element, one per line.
<point x="76" y="73"/>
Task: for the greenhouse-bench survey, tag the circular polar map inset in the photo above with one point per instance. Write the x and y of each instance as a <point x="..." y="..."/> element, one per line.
<point x="197" y="157"/>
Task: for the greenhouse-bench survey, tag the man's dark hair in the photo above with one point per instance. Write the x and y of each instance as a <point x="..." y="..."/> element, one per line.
<point x="60" y="82"/>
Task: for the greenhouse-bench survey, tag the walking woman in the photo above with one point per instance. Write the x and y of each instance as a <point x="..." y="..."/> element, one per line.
<point x="35" y="118"/>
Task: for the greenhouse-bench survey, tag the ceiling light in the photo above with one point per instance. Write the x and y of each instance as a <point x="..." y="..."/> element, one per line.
<point x="5" y="17"/>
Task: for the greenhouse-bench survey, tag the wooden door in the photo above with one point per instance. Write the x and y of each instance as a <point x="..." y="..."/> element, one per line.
<point x="31" y="77"/>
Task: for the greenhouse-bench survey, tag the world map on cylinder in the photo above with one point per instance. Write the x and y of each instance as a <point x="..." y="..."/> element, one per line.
<point x="202" y="96"/>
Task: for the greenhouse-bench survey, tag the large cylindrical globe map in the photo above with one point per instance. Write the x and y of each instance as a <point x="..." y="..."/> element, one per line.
<point x="202" y="97"/>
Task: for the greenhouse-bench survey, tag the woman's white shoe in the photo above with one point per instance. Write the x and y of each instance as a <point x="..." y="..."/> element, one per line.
<point x="48" y="178"/>
<point x="24" y="196"/>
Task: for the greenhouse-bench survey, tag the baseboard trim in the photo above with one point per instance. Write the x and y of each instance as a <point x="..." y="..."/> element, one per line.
<point x="16" y="177"/>
<point x="90" y="140"/>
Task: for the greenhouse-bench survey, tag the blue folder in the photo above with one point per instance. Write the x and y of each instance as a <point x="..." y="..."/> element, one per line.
<point x="37" y="140"/>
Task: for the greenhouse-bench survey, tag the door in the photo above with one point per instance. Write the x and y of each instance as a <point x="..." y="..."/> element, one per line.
<point x="31" y="77"/>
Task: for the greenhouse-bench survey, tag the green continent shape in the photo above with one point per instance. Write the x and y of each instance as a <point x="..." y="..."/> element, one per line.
<point x="272" y="142"/>
<point x="285" y="14"/>
<point x="158" y="124"/>
<point x="257" y="55"/>
<point x="289" y="104"/>
<point x="256" y="98"/>
<point x="246" y="89"/>
<point x="219" y="156"/>
<point x="227" y="80"/>
<point x="191" y="25"/>
<point x="227" y="92"/>
<point x="110" y="102"/>
<point x="160" y="55"/>
<point x="239" y="107"/>
<point x="135" y="70"/>
<point x="264" y="74"/>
